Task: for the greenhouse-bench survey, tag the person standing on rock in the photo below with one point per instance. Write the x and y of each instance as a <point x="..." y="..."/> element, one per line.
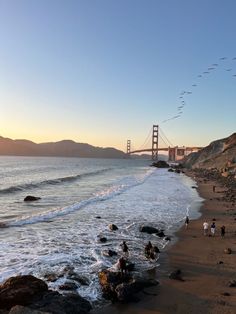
<point x="205" y="228"/>
<point x="125" y="248"/>
<point x="122" y="265"/>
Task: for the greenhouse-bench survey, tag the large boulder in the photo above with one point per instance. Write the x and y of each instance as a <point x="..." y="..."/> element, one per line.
<point x="160" y="164"/>
<point x="33" y="292"/>
<point x="21" y="290"/>
<point x="148" y="229"/>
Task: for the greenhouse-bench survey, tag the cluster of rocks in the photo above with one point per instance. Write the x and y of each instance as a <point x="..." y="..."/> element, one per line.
<point x="28" y="294"/>
<point x="122" y="287"/>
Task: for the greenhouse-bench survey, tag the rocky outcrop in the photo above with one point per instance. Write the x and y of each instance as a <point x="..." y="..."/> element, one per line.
<point x="160" y="164"/>
<point x="122" y="287"/>
<point x="33" y="296"/>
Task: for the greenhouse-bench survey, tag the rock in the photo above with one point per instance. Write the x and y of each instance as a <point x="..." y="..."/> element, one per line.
<point x="117" y="287"/>
<point x="56" y="303"/>
<point x="103" y="239"/>
<point x="232" y="283"/>
<point x="19" y="309"/>
<point x="148" y="229"/>
<point x="80" y="279"/>
<point x="228" y="251"/>
<point x="30" y="198"/>
<point x="130" y="266"/>
<point x="160" y="234"/>
<point x="194" y="187"/>
<point x="168" y="238"/>
<point x="160" y="164"/>
<point x="113" y="227"/>
<point x="68" y="286"/>
<point x="226" y="294"/>
<point x="220" y="262"/>
<point x="21" y="290"/>
<point x="171" y="170"/>
<point x="109" y="253"/>
<point x="176" y="275"/>
<point x="51" y="277"/>
<point x="98" y="217"/>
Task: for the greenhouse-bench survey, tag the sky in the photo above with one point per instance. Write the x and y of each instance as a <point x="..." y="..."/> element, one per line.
<point x="104" y="71"/>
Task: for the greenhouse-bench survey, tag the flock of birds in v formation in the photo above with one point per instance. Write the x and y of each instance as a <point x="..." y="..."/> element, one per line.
<point x="184" y="93"/>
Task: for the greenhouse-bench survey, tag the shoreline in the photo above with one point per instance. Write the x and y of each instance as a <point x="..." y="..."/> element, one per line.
<point x="206" y="268"/>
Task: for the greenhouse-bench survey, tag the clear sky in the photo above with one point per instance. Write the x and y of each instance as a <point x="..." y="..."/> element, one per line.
<point x="104" y="71"/>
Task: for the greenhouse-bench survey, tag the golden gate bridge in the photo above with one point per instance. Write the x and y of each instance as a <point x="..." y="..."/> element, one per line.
<point x="155" y="136"/>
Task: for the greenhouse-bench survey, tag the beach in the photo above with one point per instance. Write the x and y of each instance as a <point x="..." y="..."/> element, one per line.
<point x="206" y="269"/>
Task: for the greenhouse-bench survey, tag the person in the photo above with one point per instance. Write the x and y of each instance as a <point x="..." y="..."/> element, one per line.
<point x="122" y="265"/>
<point x="222" y="231"/>
<point x="205" y="227"/>
<point x="125" y="248"/>
<point x="186" y="222"/>
<point x="213" y="228"/>
<point x="214" y="188"/>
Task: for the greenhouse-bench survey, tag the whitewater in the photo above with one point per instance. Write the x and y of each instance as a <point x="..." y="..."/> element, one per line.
<point x="80" y="197"/>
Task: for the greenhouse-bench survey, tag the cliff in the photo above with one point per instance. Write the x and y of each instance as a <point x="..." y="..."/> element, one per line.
<point x="65" y="148"/>
<point x="220" y="154"/>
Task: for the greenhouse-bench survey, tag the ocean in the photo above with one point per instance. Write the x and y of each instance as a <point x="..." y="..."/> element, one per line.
<point x="60" y="232"/>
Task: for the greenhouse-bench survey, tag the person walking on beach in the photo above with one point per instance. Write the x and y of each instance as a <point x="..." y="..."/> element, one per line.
<point x="213" y="229"/>
<point x="222" y="231"/>
<point x="186" y="222"/>
<point x="205" y="228"/>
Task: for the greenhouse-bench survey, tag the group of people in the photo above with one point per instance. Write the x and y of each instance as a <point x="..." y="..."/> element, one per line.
<point x="213" y="229"/>
<point x="150" y="251"/>
<point x="206" y="227"/>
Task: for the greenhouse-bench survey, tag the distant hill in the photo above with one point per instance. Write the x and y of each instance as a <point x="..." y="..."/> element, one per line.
<point x="65" y="148"/>
<point x="219" y="154"/>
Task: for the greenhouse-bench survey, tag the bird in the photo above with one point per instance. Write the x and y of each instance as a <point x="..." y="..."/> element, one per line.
<point x="206" y="72"/>
<point x="228" y="70"/>
<point x="194" y="85"/>
<point x="223" y="58"/>
<point x="199" y="75"/>
<point x="215" y="64"/>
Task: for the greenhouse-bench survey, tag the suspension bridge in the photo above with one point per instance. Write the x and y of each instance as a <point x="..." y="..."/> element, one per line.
<point x="157" y="136"/>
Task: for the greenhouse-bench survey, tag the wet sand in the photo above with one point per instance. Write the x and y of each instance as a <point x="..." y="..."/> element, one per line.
<point x="206" y="268"/>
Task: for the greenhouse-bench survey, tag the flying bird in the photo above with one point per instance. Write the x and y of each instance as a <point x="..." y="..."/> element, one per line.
<point x="223" y="58"/>
<point x="199" y="76"/>
<point x="206" y="72"/>
<point x="228" y="70"/>
<point x="194" y="85"/>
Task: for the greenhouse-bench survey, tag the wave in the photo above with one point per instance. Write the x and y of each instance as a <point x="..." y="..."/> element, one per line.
<point x="108" y="193"/>
<point x="33" y="185"/>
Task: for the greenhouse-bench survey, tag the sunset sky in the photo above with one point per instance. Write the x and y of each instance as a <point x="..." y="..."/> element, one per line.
<point x="104" y="71"/>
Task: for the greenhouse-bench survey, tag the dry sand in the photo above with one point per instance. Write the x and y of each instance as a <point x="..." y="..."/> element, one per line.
<point x="205" y="287"/>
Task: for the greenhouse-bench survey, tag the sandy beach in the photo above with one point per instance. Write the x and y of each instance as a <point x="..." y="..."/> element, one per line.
<point x="206" y="268"/>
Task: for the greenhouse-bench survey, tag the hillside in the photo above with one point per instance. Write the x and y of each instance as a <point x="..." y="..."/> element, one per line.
<point x="220" y="154"/>
<point x="65" y="148"/>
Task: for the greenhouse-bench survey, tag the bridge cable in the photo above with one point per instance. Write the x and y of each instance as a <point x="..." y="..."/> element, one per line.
<point x="146" y="140"/>
<point x="163" y="134"/>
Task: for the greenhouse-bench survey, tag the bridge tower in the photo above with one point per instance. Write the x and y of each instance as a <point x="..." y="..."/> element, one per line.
<point x="155" y="142"/>
<point x="128" y="147"/>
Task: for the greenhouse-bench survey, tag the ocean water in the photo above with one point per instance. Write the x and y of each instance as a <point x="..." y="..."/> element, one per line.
<point x="60" y="231"/>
